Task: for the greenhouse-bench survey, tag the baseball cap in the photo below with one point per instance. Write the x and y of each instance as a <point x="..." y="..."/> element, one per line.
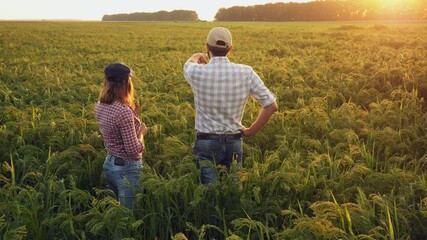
<point x="117" y="72"/>
<point x="219" y="37"/>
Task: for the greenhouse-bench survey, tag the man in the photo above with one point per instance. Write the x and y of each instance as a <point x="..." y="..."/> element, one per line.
<point x="221" y="89"/>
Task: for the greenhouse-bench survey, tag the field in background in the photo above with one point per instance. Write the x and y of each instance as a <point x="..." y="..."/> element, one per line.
<point x="344" y="158"/>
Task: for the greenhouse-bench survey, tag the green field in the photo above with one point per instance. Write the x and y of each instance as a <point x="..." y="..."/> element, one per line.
<point x="345" y="157"/>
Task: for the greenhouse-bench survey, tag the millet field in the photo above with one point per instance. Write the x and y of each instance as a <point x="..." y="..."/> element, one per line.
<point x="345" y="157"/>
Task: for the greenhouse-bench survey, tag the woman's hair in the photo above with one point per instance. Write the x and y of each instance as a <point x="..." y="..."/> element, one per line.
<point x="122" y="91"/>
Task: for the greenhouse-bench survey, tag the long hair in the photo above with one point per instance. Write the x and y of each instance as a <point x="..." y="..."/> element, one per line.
<point x="122" y="91"/>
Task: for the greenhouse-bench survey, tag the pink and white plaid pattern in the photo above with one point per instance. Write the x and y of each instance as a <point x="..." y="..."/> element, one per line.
<point x="221" y="89"/>
<point x="119" y="127"/>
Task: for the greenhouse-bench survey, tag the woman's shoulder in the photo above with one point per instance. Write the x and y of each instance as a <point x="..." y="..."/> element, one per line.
<point x="122" y="110"/>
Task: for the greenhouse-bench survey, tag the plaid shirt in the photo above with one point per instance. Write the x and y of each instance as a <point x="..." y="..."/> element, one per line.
<point x="221" y="89"/>
<point x="119" y="127"/>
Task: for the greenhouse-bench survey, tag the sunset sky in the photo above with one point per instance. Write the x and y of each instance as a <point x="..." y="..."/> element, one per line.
<point x="94" y="10"/>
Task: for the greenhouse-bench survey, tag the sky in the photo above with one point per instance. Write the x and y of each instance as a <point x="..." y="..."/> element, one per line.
<point x="95" y="9"/>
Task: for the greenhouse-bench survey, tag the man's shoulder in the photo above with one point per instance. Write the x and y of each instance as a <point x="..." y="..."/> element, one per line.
<point x="242" y="67"/>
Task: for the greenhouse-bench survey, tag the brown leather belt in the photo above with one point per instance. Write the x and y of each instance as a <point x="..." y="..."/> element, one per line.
<point x="212" y="136"/>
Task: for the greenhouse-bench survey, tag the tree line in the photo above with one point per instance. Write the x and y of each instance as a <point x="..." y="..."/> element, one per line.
<point x="326" y="10"/>
<point x="320" y="10"/>
<point x="176" y="15"/>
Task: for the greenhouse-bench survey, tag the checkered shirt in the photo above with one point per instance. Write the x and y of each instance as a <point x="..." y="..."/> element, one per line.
<point x="221" y="89"/>
<point x="119" y="127"/>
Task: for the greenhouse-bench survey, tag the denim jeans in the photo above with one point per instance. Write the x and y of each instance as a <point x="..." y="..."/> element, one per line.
<point x="123" y="180"/>
<point x="217" y="152"/>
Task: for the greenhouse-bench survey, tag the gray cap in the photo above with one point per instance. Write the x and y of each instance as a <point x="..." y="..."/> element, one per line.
<point x="219" y="37"/>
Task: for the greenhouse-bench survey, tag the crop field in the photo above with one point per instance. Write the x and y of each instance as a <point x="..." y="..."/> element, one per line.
<point x="345" y="157"/>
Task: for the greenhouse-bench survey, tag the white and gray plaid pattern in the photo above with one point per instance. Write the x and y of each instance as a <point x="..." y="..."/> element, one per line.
<point x="221" y="89"/>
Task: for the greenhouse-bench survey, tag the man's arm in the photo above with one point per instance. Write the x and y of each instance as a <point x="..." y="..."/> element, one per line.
<point x="261" y="120"/>
<point x="198" y="58"/>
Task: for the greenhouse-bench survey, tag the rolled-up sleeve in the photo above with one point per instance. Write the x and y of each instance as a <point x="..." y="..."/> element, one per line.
<point x="260" y="92"/>
<point x="188" y="70"/>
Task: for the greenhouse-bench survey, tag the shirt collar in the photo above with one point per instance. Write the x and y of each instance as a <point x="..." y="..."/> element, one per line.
<point x="219" y="60"/>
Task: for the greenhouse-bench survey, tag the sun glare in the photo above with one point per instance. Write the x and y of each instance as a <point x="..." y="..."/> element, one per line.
<point x="392" y="4"/>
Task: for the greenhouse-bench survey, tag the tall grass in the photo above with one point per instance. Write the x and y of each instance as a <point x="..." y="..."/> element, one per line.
<point x="344" y="158"/>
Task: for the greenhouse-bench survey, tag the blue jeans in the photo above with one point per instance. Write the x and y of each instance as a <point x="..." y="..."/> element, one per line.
<point x="123" y="180"/>
<point x="216" y="152"/>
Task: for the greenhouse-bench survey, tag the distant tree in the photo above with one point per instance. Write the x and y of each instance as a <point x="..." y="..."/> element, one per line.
<point x="326" y="10"/>
<point x="176" y="15"/>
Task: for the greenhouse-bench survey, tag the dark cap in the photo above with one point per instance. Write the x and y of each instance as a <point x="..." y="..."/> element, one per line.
<point x="117" y="72"/>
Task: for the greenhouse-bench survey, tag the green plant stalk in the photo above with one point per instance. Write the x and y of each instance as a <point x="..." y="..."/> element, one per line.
<point x="342" y="218"/>
<point x="350" y="225"/>
<point x="12" y="171"/>
<point x="390" y="224"/>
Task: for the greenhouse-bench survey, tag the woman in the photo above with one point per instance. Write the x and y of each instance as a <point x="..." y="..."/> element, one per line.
<point x="122" y="131"/>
